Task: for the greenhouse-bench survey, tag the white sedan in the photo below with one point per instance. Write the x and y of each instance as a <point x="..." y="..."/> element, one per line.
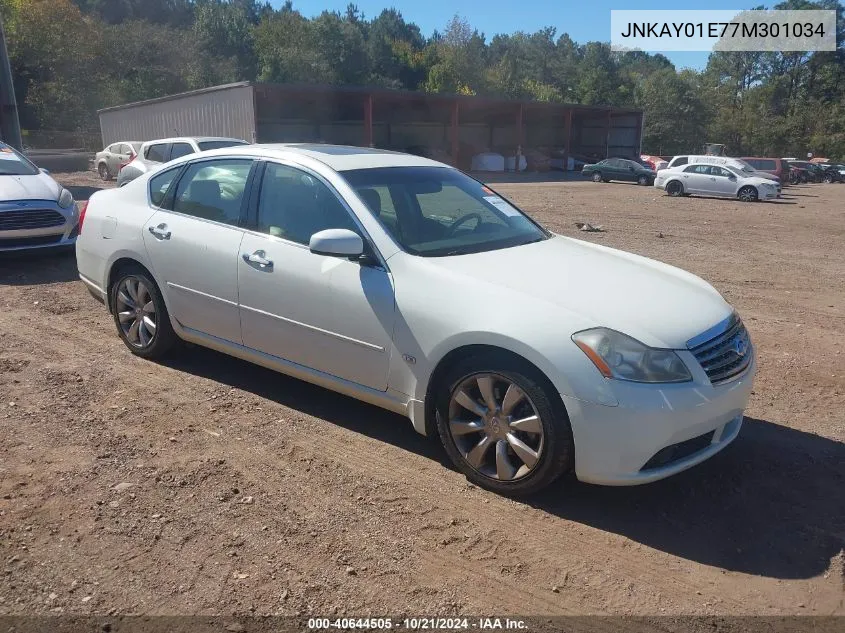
<point x="723" y="181"/>
<point x="405" y="283"/>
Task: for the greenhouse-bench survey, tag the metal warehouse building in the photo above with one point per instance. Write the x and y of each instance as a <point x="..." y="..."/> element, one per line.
<point x="450" y="128"/>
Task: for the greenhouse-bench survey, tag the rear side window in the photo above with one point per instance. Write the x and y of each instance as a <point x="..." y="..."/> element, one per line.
<point x="208" y="145"/>
<point x="180" y="149"/>
<point x="160" y="184"/>
<point x="213" y="190"/>
<point x="681" y="160"/>
<point x="766" y="164"/>
<point x="157" y="153"/>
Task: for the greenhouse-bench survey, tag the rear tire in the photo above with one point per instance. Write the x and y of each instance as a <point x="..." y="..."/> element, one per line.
<point x="675" y="189"/>
<point x="527" y="440"/>
<point x="103" y="171"/>
<point x="140" y="315"/>
<point x="748" y="194"/>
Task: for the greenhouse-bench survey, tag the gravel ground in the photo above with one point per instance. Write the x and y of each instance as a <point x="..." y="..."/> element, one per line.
<point x="206" y="485"/>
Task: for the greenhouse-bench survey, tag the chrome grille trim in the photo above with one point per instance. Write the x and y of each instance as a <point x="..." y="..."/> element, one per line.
<point x="718" y="350"/>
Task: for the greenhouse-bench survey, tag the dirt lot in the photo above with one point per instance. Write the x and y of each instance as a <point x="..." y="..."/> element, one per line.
<point x="207" y="485"/>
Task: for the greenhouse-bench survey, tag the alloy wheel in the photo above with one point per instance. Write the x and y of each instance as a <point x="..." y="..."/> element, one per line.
<point x="748" y="194"/>
<point x="597" y="177"/>
<point x="136" y="312"/>
<point x="104" y="171"/>
<point x="495" y="426"/>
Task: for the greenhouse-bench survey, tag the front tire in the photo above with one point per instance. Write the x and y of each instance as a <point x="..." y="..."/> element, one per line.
<point x="503" y="425"/>
<point x="675" y="189"/>
<point x="140" y="315"/>
<point x="748" y="194"/>
<point x="597" y="177"/>
<point x="643" y="180"/>
<point x="103" y="171"/>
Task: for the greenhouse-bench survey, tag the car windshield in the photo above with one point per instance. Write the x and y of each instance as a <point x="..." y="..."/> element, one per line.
<point x="207" y="145"/>
<point x="437" y="211"/>
<point x="13" y="163"/>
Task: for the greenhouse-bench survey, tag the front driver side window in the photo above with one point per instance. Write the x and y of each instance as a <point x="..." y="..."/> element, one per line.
<point x="213" y="190"/>
<point x="294" y="205"/>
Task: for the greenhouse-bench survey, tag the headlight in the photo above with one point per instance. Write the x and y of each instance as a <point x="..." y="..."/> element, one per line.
<point x="624" y="358"/>
<point x="65" y="199"/>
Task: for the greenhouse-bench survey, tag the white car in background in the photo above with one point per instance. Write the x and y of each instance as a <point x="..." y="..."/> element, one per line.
<point x="736" y="164"/>
<point x="152" y="154"/>
<point x="36" y="212"/>
<point x="405" y="283"/>
<point x="703" y="179"/>
<point x="109" y="161"/>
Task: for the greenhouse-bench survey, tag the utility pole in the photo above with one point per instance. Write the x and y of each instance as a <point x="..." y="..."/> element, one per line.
<point x="10" y="127"/>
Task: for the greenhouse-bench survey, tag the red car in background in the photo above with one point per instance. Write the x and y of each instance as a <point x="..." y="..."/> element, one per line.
<point x="775" y="166"/>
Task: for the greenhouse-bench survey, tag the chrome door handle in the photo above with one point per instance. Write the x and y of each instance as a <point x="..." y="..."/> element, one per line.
<point x="258" y="258"/>
<point x="160" y="231"/>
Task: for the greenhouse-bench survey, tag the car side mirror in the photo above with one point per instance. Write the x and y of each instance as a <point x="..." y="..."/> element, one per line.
<point x="337" y="243"/>
<point x="44" y="171"/>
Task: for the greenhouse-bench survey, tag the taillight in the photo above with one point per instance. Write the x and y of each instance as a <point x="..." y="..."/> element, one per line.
<point x="122" y="165"/>
<point x="83" y="207"/>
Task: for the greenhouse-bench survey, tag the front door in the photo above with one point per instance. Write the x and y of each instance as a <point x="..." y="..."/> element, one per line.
<point x="723" y="181"/>
<point x="194" y="241"/>
<point x="325" y="313"/>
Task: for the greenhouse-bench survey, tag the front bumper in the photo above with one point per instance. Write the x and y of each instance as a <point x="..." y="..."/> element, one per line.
<point x="629" y="444"/>
<point x="23" y="235"/>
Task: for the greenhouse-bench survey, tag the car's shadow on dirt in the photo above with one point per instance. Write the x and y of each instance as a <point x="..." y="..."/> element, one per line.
<point x="336" y="408"/>
<point x="36" y="267"/>
<point x="770" y="504"/>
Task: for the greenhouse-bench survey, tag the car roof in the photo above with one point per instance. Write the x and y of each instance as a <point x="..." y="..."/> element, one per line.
<point x="196" y="139"/>
<point x="336" y="157"/>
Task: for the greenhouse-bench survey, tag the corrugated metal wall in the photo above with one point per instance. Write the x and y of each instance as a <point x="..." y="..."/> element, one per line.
<point x="225" y="112"/>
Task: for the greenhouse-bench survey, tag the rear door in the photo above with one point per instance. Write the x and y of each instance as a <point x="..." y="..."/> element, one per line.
<point x="696" y="179"/>
<point x="194" y="238"/>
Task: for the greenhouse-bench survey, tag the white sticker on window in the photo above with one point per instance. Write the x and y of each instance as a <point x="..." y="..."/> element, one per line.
<point x="502" y="205"/>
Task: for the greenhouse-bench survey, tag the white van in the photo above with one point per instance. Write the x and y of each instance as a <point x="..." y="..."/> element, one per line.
<point x="724" y="161"/>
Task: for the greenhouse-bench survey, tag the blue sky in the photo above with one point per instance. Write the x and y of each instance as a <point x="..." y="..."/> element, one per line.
<point x="584" y="20"/>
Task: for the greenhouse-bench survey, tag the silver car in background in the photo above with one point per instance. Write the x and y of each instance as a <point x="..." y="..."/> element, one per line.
<point x="36" y="212"/>
<point x="155" y="153"/>
<point x="109" y="161"/>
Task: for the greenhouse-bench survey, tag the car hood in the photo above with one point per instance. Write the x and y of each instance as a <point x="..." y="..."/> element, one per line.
<point x="658" y="304"/>
<point x="37" y="187"/>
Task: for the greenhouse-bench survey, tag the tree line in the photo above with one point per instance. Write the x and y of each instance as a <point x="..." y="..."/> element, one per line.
<point x="71" y="57"/>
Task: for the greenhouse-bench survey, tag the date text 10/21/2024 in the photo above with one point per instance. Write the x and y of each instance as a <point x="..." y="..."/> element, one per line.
<point x="419" y="624"/>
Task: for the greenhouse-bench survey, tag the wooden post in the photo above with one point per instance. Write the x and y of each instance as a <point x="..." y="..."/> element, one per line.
<point x="567" y="135"/>
<point x="520" y="138"/>
<point x="368" y="121"/>
<point x="454" y="131"/>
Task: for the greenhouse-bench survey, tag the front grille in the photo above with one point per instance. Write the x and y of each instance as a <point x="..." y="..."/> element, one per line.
<point x="30" y="219"/>
<point x="679" y="451"/>
<point x="727" y="354"/>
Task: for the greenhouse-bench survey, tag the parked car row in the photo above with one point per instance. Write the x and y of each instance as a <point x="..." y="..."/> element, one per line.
<point x="748" y="179"/>
<point x="129" y="159"/>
